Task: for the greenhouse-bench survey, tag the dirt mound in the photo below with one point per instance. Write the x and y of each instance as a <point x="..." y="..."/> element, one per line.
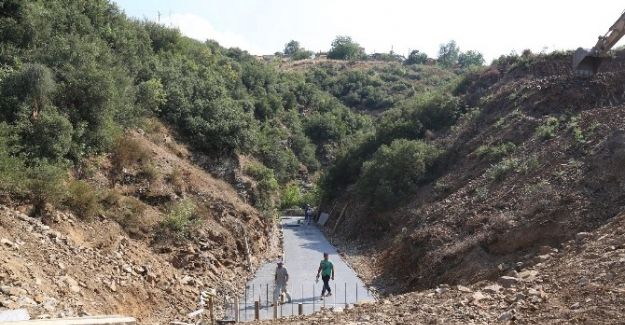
<point x="134" y="257"/>
<point x="535" y="165"/>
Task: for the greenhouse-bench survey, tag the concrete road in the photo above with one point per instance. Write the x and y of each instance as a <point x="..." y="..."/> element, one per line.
<point x="303" y="250"/>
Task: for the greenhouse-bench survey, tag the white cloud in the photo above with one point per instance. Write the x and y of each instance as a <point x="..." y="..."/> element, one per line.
<point x="199" y="28"/>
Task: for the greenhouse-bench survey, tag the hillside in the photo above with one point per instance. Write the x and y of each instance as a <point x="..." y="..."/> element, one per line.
<point x="136" y="257"/>
<point x="533" y="164"/>
<point x="578" y="283"/>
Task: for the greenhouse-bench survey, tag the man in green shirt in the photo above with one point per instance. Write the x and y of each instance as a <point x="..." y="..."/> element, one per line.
<point x="326" y="269"/>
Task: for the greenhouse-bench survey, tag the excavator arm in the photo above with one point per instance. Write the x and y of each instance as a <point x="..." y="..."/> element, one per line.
<point x="586" y="63"/>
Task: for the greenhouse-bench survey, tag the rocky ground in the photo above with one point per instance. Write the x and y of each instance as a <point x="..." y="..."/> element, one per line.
<point x="125" y="263"/>
<point x="581" y="283"/>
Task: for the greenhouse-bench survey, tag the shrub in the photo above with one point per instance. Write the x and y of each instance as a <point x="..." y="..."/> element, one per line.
<point x="495" y="152"/>
<point x="151" y="95"/>
<point x="128" y="152"/>
<point x="312" y="196"/>
<point x="266" y="186"/>
<point x="176" y="179"/>
<point x="48" y="136"/>
<point x="149" y="171"/>
<point x="548" y="129"/>
<point x="343" y="48"/>
<point x="290" y="196"/>
<point x="395" y="172"/>
<point x="46" y="184"/>
<point x="180" y="218"/>
<point x="82" y="198"/>
<point x="416" y="57"/>
<point x="131" y="213"/>
<point x="12" y="170"/>
<point x="499" y="171"/>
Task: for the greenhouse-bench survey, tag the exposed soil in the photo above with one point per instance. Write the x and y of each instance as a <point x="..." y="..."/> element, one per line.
<point x="485" y="214"/>
<point x="581" y="283"/>
<point x="128" y="263"/>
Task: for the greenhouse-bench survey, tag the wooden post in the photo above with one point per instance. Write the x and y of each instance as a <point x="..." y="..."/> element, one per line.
<point x="257" y="310"/>
<point x="211" y="307"/>
<point x="300" y="309"/>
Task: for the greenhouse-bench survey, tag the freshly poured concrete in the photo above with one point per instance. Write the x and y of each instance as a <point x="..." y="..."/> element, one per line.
<point x="303" y="250"/>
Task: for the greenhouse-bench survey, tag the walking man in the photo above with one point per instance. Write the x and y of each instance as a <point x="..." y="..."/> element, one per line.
<point x="326" y="269"/>
<point x="281" y="280"/>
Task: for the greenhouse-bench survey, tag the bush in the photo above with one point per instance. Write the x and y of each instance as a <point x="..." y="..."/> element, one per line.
<point x="48" y="136"/>
<point x="82" y="198"/>
<point x="500" y="170"/>
<point x="128" y="152"/>
<point x="149" y="171"/>
<point x="132" y="209"/>
<point x="495" y="152"/>
<point x="46" y="184"/>
<point x="343" y="48"/>
<point x="180" y="218"/>
<point x="416" y="57"/>
<point x="266" y="187"/>
<point x="176" y="179"/>
<point x="548" y="129"/>
<point x="12" y="169"/>
<point x="395" y="172"/>
<point x="290" y="196"/>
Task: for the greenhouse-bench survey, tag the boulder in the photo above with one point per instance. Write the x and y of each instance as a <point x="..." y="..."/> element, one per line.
<point x="508" y="281"/>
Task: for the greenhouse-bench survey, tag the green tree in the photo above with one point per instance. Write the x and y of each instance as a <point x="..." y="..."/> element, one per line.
<point x="470" y="58"/>
<point x="343" y="48"/>
<point x="448" y="54"/>
<point x="151" y="95"/>
<point x="49" y="136"/>
<point x="416" y="57"/>
<point x="395" y="172"/>
<point x="293" y="50"/>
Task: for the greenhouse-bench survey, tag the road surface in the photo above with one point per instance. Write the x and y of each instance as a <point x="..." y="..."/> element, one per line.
<point x="303" y="250"/>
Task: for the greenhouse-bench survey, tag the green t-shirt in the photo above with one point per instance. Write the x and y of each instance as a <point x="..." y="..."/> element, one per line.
<point x="326" y="268"/>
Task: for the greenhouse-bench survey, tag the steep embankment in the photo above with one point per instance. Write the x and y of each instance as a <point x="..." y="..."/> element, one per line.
<point x="138" y="256"/>
<point x="579" y="283"/>
<point x="538" y="161"/>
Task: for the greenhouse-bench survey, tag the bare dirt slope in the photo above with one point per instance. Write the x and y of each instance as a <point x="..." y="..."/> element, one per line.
<point x="126" y="260"/>
<point x="581" y="283"/>
<point x="538" y="161"/>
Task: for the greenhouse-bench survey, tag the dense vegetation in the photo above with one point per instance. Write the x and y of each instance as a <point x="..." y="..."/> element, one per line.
<point x="74" y="75"/>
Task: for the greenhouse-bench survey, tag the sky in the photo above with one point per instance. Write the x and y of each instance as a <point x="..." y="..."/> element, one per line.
<point x="492" y="27"/>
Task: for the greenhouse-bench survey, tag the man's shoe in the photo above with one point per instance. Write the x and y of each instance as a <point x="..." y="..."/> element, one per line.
<point x="329" y="294"/>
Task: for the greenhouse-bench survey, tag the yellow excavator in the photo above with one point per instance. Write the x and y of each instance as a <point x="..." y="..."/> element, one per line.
<point x="586" y="62"/>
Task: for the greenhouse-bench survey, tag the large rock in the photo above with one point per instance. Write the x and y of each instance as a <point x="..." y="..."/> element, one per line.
<point x="508" y="281"/>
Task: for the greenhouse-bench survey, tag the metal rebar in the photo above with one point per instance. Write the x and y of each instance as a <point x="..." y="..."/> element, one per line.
<point x="267" y="295"/>
<point x="291" y="301"/>
<point x="237" y="314"/>
<point x="245" y="304"/>
<point x="345" y="294"/>
<point x="335" y="293"/>
<point x="356" y="292"/>
<point x="314" y="298"/>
